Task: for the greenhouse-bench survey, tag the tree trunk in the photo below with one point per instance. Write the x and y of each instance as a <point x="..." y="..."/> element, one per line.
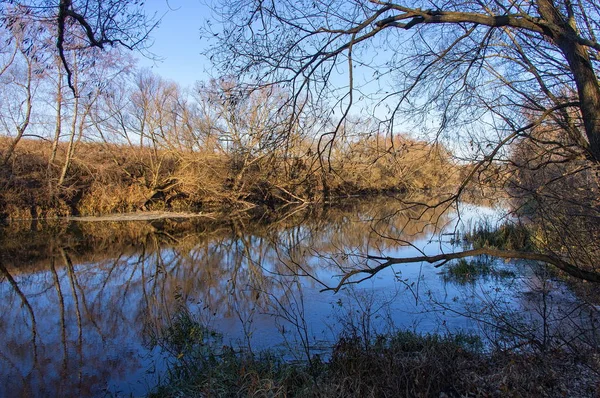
<point x="588" y="91"/>
<point x="58" y="125"/>
<point x="69" y="154"/>
<point x="563" y="33"/>
<point x="28" y="107"/>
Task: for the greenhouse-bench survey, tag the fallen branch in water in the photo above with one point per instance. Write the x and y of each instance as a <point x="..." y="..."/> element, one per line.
<point x="445" y="257"/>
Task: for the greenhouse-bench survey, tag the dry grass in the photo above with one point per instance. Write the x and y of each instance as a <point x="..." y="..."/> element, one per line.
<point x="399" y="364"/>
<point x="109" y="178"/>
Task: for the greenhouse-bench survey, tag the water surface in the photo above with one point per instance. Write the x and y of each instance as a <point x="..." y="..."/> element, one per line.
<point x="82" y="300"/>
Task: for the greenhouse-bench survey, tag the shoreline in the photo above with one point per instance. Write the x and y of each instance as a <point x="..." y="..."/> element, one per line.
<point x="140" y="216"/>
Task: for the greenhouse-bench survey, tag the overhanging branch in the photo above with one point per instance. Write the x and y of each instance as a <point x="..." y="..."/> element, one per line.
<point x="416" y="17"/>
<point x="445" y="257"/>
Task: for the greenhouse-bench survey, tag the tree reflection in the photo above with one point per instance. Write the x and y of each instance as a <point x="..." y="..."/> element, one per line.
<point x="93" y="291"/>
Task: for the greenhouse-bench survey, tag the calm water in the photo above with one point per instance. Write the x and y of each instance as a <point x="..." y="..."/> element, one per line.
<point x="81" y="300"/>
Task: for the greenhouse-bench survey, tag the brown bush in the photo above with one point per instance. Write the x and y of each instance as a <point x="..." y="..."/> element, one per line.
<point x="108" y="178"/>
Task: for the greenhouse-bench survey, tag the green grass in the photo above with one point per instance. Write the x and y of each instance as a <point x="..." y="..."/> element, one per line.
<point x="203" y="366"/>
<point x="464" y="271"/>
<point x="508" y="236"/>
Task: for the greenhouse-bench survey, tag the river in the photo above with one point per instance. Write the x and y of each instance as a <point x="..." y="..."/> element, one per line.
<point x="82" y="301"/>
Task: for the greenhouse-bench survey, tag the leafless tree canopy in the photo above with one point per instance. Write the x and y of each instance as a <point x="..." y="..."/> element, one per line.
<point x="470" y="65"/>
<point x="98" y="23"/>
<point x="500" y="80"/>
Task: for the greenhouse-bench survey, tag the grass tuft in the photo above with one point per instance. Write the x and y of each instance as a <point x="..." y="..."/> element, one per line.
<point x="468" y="271"/>
<point x="508" y="236"/>
<point x="403" y="363"/>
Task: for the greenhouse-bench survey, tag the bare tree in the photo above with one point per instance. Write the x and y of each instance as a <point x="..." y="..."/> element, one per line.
<point x="480" y="74"/>
<point x="498" y="58"/>
<point x="251" y="128"/>
<point x="99" y="23"/>
<point x="154" y="120"/>
<point x="20" y="78"/>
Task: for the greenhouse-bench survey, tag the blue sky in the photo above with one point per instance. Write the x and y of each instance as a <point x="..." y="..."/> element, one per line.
<point x="177" y="40"/>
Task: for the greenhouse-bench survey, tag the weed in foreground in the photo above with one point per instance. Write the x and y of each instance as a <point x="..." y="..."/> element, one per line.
<point x="403" y="363"/>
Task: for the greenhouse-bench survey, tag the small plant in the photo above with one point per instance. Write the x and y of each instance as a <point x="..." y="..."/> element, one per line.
<point x="203" y="366"/>
<point x="508" y="236"/>
<point x="404" y="361"/>
<point x="463" y="271"/>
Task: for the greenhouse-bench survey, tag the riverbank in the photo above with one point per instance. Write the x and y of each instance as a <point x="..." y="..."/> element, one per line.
<point x="98" y="178"/>
<point x="402" y="363"/>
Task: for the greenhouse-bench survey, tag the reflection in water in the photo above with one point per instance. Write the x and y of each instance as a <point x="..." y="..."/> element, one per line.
<point x="80" y="299"/>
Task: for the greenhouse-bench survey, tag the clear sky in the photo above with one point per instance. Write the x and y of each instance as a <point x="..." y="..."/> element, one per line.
<point x="177" y="40"/>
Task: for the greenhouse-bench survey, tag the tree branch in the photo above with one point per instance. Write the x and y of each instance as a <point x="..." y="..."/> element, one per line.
<point x="416" y="17"/>
<point x="445" y="257"/>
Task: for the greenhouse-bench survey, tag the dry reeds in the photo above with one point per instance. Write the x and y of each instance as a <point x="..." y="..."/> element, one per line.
<point x="106" y="178"/>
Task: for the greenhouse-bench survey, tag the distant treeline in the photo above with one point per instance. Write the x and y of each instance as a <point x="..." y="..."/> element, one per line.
<point x="127" y="140"/>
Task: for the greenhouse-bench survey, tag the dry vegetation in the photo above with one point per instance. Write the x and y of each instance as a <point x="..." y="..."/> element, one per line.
<point x="109" y="178"/>
<point x="402" y="363"/>
<point x="554" y="188"/>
